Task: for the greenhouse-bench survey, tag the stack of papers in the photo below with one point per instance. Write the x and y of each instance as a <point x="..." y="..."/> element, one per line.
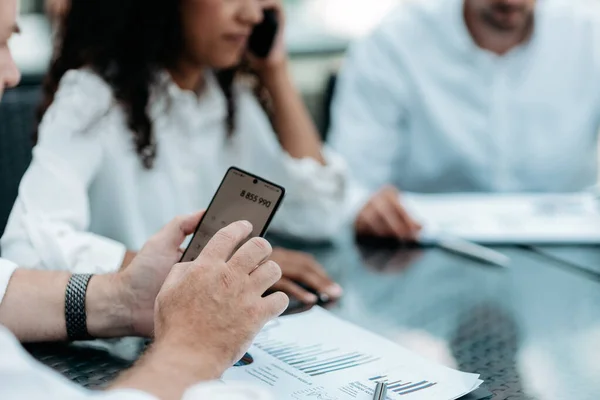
<point x="318" y="356"/>
<point x="507" y="219"/>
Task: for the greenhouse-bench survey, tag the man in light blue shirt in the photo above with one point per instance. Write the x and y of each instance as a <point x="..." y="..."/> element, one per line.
<point x="469" y="96"/>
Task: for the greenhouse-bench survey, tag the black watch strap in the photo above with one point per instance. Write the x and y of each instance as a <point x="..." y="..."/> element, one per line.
<point x="75" y="315"/>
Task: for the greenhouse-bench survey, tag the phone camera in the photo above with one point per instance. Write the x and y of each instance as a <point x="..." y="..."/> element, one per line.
<point x="255" y="181"/>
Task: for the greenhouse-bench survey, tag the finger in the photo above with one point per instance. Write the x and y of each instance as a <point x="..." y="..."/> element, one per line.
<point x="413" y="225"/>
<point x="393" y="197"/>
<point x="254" y="252"/>
<point x="310" y="266"/>
<point x="388" y="215"/>
<point x="416" y="226"/>
<point x="275" y="304"/>
<point x="394" y="220"/>
<point x="322" y="285"/>
<point x="295" y="262"/>
<point x="189" y="223"/>
<point x="360" y="225"/>
<point x="265" y="276"/>
<point x="175" y="232"/>
<point x="225" y="241"/>
<point x="295" y="290"/>
<point x="375" y="224"/>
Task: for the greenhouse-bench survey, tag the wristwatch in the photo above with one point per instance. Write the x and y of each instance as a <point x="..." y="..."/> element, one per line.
<point x="75" y="314"/>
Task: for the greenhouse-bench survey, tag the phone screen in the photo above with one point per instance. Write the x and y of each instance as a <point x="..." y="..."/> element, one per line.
<point x="241" y="196"/>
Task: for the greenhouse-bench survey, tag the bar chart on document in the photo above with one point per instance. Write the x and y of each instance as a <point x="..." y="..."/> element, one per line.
<point x="318" y="356"/>
<point x="400" y="383"/>
<point x="315" y="359"/>
<point x="318" y="360"/>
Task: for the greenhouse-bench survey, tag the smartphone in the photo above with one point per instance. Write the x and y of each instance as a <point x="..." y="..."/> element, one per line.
<point x="263" y="36"/>
<point x="240" y="196"/>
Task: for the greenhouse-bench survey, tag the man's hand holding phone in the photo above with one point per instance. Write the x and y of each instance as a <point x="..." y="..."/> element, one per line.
<point x="208" y="310"/>
<point x="227" y="288"/>
<point x="242" y="195"/>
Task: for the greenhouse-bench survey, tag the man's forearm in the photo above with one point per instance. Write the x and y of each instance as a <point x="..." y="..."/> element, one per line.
<point x="296" y="131"/>
<point x="167" y="371"/>
<point x="34" y="306"/>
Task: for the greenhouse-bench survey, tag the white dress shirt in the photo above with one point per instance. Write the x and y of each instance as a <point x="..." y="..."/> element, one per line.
<point x="86" y="197"/>
<point x="419" y="105"/>
<point x="22" y="377"/>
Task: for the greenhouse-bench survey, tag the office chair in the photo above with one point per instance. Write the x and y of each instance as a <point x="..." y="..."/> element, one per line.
<point x="327" y="103"/>
<point x="17" y="122"/>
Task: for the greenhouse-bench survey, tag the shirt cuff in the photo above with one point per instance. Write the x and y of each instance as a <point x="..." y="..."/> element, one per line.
<point x="315" y="194"/>
<point x="44" y="244"/>
<point x="101" y="256"/>
<point x="231" y="391"/>
<point x="6" y="270"/>
<point x="310" y="176"/>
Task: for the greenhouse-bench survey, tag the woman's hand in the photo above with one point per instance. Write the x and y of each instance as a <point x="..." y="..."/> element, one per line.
<point x="293" y="125"/>
<point x="384" y="216"/>
<point x="303" y="276"/>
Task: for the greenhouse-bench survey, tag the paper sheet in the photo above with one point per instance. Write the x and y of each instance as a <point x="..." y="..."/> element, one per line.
<point x="500" y="218"/>
<point x="316" y="356"/>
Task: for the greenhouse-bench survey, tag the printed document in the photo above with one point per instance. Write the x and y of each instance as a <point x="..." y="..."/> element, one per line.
<point x="317" y="356"/>
<point x="507" y="218"/>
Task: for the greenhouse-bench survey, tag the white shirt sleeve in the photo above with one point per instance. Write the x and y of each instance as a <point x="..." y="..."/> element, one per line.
<point x="22" y="377"/>
<point x="48" y="226"/>
<point x="368" y="114"/>
<point x="314" y="192"/>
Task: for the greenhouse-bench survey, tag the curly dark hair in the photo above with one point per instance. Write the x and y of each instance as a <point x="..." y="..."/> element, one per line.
<point x="127" y="43"/>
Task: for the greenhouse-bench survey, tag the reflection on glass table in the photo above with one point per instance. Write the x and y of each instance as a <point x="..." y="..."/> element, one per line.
<point x="532" y="332"/>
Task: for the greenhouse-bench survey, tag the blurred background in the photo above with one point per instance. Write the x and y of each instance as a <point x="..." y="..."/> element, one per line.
<point x="318" y="33"/>
<point x="495" y="322"/>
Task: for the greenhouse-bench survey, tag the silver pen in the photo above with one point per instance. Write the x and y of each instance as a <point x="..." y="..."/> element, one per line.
<point x="473" y="250"/>
<point x="380" y="391"/>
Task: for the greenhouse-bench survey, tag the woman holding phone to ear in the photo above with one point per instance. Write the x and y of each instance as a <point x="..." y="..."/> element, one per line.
<point x="145" y="108"/>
